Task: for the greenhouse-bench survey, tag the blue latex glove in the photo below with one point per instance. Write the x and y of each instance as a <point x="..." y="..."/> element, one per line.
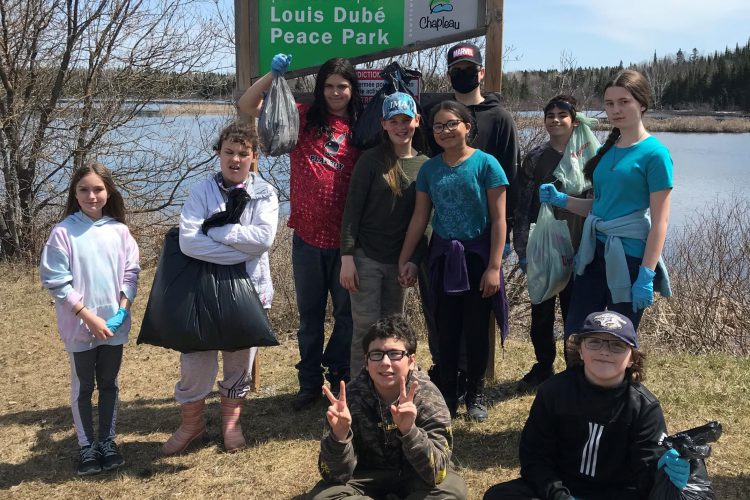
<point x="676" y="467"/>
<point x="506" y="250"/>
<point x="643" y="289"/>
<point x="549" y="194"/>
<point x="117" y="320"/>
<point x="522" y="263"/>
<point x="280" y="63"/>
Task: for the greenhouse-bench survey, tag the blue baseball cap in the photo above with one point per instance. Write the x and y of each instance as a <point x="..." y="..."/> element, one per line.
<point x="612" y="323"/>
<point x="399" y="103"/>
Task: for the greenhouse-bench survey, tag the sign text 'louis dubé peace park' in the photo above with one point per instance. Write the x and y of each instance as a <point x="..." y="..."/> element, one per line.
<point x="315" y="30"/>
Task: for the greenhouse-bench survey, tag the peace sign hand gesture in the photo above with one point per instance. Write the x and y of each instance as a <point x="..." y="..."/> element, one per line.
<point x="338" y="414"/>
<point x="405" y="414"/>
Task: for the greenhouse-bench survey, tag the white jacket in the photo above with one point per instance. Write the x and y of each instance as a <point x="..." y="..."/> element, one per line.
<point x="247" y="241"/>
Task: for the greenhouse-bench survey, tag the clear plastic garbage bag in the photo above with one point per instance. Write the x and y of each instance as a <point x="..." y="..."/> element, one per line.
<point x="278" y="124"/>
<point x="581" y="146"/>
<point x="549" y="254"/>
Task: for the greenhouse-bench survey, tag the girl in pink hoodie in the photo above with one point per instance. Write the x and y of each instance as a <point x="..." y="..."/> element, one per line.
<point x="90" y="265"/>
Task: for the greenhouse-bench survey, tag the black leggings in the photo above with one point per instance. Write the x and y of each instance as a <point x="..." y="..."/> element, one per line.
<point x="100" y="364"/>
<point x="468" y="313"/>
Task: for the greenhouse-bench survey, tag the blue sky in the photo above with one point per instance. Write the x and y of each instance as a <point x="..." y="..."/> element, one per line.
<point x="603" y="32"/>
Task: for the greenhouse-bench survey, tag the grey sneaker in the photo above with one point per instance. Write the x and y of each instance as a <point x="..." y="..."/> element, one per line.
<point x="88" y="460"/>
<point x="111" y="458"/>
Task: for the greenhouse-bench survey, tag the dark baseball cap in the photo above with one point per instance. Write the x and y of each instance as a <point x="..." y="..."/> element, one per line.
<point x="612" y="323"/>
<point x="464" y="52"/>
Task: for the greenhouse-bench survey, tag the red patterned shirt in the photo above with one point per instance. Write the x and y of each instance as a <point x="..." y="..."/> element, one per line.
<point x="319" y="181"/>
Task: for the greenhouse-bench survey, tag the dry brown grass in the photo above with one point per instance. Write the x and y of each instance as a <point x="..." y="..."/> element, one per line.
<point x="38" y="453"/>
<point x="198" y="109"/>
<point x="702" y="124"/>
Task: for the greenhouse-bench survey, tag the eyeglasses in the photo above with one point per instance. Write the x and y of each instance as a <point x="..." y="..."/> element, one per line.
<point x="393" y="355"/>
<point x="450" y="126"/>
<point x="614" y="346"/>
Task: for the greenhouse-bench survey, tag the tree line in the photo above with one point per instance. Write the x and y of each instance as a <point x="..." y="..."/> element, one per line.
<point x="717" y="81"/>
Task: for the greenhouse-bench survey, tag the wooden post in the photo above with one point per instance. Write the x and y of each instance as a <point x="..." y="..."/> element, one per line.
<point x="493" y="82"/>
<point x="493" y="79"/>
<point x="245" y="42"/>
<point x="246" y="64"/>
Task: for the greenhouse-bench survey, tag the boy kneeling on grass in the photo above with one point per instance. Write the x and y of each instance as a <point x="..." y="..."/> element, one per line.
<point x="594" y="431"/>
<point x="389" y="431"/>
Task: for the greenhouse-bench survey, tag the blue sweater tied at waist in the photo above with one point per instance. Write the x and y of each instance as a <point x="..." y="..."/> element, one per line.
<point x="635" y="226"/>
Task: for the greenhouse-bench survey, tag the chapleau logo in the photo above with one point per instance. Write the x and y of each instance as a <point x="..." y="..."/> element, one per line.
<point x="437" y="6"/>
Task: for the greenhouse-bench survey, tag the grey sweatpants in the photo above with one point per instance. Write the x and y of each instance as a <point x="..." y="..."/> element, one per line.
<point x="99" y="366"/>
<point x="198" y="372"/>
<point x="379" y="295"/>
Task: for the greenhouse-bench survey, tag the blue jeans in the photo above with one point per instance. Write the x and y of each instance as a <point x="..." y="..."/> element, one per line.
<point x="316" y="274"/>
<point x="591" y="293"/>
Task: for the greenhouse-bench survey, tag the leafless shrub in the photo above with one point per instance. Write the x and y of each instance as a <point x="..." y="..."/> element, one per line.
<point x="709" y="267"/>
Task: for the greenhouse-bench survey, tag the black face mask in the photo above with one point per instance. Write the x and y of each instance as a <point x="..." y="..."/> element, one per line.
<point x="464" y="81"/>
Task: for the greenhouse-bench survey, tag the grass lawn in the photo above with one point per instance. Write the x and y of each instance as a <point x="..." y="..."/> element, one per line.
<point x="38" y="449"/>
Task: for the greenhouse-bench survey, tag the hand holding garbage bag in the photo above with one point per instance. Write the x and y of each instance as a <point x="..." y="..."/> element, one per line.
<point x="280" y="63"/>
<point x="676" y="467"/>
<point x="548" y="193"/>
<point x="278" y="123"/>
<point x="681" y="470"/>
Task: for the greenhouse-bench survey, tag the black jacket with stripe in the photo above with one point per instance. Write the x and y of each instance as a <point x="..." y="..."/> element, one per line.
<point x="582" y="439"/>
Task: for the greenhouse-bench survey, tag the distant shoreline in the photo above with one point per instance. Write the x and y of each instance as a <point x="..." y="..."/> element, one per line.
<point x="658" y="121"/>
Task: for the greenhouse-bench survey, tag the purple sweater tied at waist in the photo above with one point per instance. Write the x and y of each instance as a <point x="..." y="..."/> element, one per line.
<point x="456" y="276"/>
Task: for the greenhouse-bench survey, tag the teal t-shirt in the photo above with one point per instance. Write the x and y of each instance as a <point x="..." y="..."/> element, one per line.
<point x="459" y="194"/>
<point x="624" y="180"/>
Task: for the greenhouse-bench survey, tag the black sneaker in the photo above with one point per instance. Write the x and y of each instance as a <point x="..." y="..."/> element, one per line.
<point x="304" y="399"/>
<point x="476" y="408"/>
<point x="88" y="460"/>
<point x="534" y="378"/>
<point x="111" y="458"/>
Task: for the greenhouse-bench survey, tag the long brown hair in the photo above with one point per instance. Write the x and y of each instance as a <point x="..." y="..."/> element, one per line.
<point x="393" y="175"/>
<point x="115" y="206"/>
<point x="635" y="373"/>
<point x="317" y="114"/>
<point x="638" y="86"/>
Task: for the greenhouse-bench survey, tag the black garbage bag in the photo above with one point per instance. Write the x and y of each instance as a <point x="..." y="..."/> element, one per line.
<point x="367" y="130"/>
<point x="236" y="202"/>
<point x="199" y="306"/>
<point x="693" y="446"/>
<point x="278" y="123"/>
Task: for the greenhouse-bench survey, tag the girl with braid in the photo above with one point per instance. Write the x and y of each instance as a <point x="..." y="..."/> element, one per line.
<point x="619" y="265"/>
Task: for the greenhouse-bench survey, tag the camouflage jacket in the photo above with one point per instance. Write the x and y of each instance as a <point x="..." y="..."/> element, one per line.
<point x="375" y="442"/>
<point x="536" y="169"/>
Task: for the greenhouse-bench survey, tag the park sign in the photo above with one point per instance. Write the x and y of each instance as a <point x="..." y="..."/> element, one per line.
<point x="313" y="31"/>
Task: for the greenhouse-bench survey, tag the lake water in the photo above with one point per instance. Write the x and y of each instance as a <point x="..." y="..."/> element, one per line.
<point x="707" y="167"/>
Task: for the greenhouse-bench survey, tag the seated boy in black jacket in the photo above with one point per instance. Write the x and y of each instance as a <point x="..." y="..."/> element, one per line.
<point x="594" y="431"/>
<point x="389" y="430"/>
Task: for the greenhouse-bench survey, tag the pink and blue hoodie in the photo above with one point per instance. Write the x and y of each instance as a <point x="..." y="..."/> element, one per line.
<point x="93" y="262"/>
